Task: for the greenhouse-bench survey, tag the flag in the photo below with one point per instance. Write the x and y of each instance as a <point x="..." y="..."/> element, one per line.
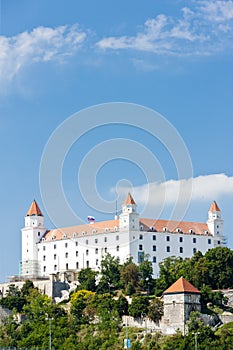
<point x="91" y="219"/>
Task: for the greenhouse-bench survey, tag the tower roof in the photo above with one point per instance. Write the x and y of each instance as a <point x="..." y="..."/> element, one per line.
<point x="214" y="207"/>
<point x="129" y="199"/>
<point x="181" y="286"/>
<point x="34" y="210"/>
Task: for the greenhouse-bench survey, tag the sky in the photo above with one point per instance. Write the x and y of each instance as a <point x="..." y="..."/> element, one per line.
<point x="59" y="58"/>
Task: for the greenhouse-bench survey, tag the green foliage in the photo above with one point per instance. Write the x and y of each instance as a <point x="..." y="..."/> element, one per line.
<point x="87" y="279"/>
<point x="110" y="271"/>
<point x="146" y="272"/>
<point x="129" y="273"/>
<point x="155" y="309"/>
<point x="138" y="307"/>
<point x="81" y="306"/>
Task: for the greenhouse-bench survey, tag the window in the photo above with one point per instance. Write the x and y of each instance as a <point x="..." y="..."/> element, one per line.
<point x="67" y="266"/>
<point x="154" y="238"/>
<point x="105" y="239"/>
<point x="87" y="263"/>
<point x="140" y="236"/>
<point x="181" y="239"/>
<point x="117" y="238"/>
<point x="194" y="240"/>
<point x="66" y="255"/>
<point x="55" y="267"/>
<point x="38" y="234"/>
<point x="86" y="242"/>
<point x="167" y="238"/>
<point x="117" y="248"/>
<point x="44" y="247"/>
<point x="76" y="253"/>
<point x="44" y="258"/>
<point x="217" y="226"/>
<point x="87" y="252"/>
<point x="154" y="248"/>
<point x="105" y="250"/>
<point x="154" y="259"/>
<point x="97" y="262"/>
<point x="96" y="250"/>
<point x="194" y="250"/>
<point x="66" y="245"/>
<point x="44" y="268"/>
<point x="209" y="241"/>
<point x="55" y="256"/>
<point x="219" y="242"/>
<point x="168" y="249"/>
<point x="181" y="249"/>
<point x="76" y="243"/>
<point x="77" y="265"/>
<point x="140" y="247"/>
<point x="96" y="241"/>
<point x="55" y="246"/>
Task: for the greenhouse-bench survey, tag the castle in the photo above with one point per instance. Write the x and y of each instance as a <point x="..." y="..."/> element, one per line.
<point x="68" y="250"/>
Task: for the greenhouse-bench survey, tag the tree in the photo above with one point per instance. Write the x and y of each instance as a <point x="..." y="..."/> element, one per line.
<point x="146" y="272"/>
<point x="87" y="279"/>
<point x="138" y="307"/>
<point x="130" y="275"/>
<point x="155" y="309"/>
<point x="121" y="305"/>
<point x="13" y="299"/>
<point x="80" y="305"/>
<point x="110" y="271"/>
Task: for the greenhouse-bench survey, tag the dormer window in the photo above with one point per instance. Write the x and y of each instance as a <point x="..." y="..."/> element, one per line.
<point x="191" y="231"/>
<point x="64" y="235"/>
<point x="165" y="229"/>
<point x="53" y="237"/>
<point x="178" y="230"/>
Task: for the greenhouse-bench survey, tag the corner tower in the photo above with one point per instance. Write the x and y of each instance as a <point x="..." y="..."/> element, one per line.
<point x="31" y="234"/>
<point x="215" y="222"/>
<point x="129" y="218"/>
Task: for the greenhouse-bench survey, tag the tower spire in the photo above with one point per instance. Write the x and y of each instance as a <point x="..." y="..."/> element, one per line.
<point x="34" y="209"/>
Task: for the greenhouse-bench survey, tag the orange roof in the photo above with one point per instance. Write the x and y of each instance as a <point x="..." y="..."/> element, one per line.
<point x="198" y="228"/>
<point x="82" y="230"/>
<point x="181" y="286"/>
<point x="129" y="200"/>
<point x="214" y="207"/>
<point x="34" y="210"/>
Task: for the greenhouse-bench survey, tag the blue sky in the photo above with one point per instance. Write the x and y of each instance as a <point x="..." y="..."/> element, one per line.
<point x="58" y="57"/>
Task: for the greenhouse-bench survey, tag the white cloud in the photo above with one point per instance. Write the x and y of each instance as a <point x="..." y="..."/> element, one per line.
<point x="42" y="44"/>
<point x="204" y="188"/>
<point x="198" y="30"/>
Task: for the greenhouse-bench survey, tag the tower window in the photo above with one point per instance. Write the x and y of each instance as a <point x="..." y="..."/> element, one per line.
<point x="168" y="249"/>
<point x="154" y="238"/>
<point x="167" y="238"/>
<point x="38" y="234"/>
<point x="181" y="239"/>
<point x="181" y="249"/>
<point x="194" y="240"/>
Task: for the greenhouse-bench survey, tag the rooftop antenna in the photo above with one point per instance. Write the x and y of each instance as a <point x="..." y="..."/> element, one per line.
<point x="116" y="216"/>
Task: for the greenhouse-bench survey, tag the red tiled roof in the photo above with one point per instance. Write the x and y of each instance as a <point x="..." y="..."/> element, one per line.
<point x="214" y="207"/>
<point x="34" y="209"/>
<point x="181" y="286"/>
<point x="198" y="228"/>
<point x="82" y="230"/>
<point x="129" y="200"/>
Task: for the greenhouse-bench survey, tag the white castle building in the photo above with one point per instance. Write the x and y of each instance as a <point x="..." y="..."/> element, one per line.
<point x="70" y="249"/>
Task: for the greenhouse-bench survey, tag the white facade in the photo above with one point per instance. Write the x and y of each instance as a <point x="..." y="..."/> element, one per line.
<point x="47" y="252"/>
